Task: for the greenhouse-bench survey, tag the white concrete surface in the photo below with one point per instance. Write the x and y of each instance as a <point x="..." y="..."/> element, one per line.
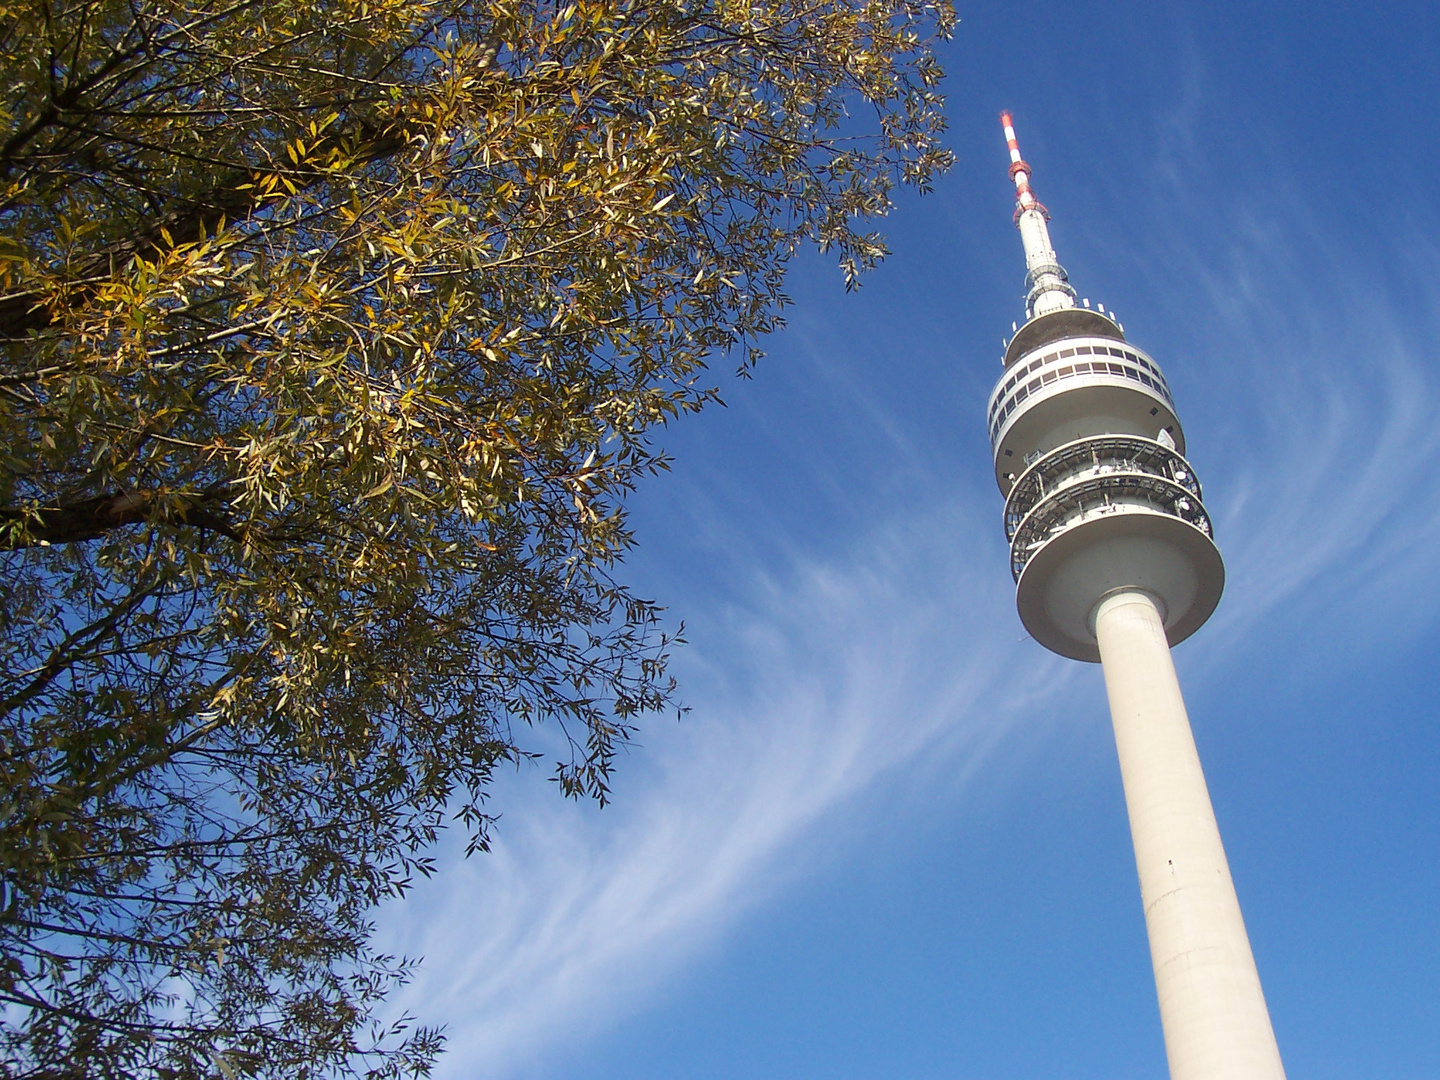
<point x="1211" y="1004"/>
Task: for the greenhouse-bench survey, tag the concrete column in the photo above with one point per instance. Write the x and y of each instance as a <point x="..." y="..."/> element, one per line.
<point x="1211" y="1005"/>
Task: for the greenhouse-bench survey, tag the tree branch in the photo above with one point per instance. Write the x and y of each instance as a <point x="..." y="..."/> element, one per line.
<point x="232" y="198"/>
<point x="90" y="518"/>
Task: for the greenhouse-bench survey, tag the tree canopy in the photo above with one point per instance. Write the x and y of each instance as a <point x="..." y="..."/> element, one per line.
<point x="334" y="334"/>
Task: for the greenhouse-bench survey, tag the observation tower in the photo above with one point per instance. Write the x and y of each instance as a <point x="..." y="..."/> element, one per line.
<point x="1114" y="561"/>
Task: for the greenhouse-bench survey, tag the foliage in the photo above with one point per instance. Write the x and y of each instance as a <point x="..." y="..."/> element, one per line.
<point x="333" y="333"/>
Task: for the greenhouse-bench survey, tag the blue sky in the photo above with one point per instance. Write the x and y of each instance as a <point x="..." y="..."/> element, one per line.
<point x="889" y="839"/>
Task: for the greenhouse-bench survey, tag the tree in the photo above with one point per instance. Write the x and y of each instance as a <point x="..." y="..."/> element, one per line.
<point x="334" y="335"/>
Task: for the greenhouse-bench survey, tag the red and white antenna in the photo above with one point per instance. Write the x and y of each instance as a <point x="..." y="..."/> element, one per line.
<point x="1020" y="173"/>
<point x="1048" y="286"/>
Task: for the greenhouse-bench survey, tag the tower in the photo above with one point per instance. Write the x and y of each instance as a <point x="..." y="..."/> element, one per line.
<point x="1114" y="560"/>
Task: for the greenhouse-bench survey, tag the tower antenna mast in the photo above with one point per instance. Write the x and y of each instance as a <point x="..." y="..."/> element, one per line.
<point x="1046" y="283"/>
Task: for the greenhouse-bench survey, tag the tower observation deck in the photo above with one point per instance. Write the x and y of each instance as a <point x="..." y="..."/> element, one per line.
<point x="1114" y="560"/>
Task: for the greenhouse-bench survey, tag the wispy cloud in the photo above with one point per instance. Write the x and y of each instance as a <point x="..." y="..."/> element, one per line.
<point x="827" y="682"/>
<point x="1319" y="398"/>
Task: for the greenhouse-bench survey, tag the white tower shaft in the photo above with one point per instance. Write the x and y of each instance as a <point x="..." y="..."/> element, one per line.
<point x="1211" y="1006"/>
